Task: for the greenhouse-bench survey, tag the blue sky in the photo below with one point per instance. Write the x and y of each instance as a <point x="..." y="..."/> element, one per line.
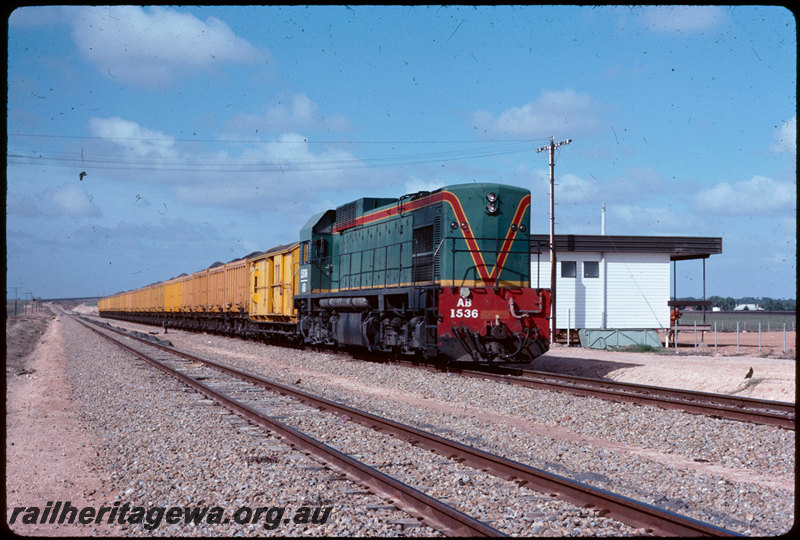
<point x="207" y="133"/>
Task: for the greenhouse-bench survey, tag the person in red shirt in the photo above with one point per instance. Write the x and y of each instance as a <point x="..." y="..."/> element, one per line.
<point x="674" y="317"/>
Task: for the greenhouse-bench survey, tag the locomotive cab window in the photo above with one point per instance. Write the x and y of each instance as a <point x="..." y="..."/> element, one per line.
<point x="568" y="269"/>
<point x="591" y="269"/>
<point x="320" y="248"/>
<point x="304" y="253"/>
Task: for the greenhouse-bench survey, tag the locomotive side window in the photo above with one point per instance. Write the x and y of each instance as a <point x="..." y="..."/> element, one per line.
<point x="568" y="269"/>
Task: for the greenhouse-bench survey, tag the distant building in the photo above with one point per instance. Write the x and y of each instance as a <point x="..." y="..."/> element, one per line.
<point x="748" y="307"/>
<point x="615" y="282"/>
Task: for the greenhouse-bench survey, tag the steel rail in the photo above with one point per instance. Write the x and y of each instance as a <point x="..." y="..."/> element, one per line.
<point x="783" y="407"/>
<point x="634" y="513"/>
<point x="434" y="512"/>
<point x="765" y="412"/>
<point x="743" y="409"/>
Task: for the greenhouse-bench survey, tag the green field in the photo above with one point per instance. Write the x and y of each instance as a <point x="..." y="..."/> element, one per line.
<point x="748" y="320"/>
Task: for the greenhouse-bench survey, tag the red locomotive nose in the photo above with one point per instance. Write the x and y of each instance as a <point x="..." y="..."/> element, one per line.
<point x="493" y="325"/>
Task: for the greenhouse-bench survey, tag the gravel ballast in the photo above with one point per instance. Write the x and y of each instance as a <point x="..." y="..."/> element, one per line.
<point x="166" y="446"/>
<point x="736" y="475"/>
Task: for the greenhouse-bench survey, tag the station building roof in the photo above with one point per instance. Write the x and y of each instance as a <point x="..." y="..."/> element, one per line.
<point x="678" y="247"/>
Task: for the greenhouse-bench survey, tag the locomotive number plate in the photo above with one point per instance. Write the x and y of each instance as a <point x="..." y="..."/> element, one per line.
<point x="464" y="310"/>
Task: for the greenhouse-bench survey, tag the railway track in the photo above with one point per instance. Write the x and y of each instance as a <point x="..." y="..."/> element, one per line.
<point x="758" y="411"/>
<point x="743" y="409"/>
<point x="437" y="514"/>
<point x="184" y="367"/>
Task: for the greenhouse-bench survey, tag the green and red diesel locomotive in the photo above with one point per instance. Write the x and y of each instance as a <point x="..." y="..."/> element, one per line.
<point x="444" y="275"/>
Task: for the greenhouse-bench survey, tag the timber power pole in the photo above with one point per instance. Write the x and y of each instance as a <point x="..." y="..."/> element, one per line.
<point x="552" y="147"/>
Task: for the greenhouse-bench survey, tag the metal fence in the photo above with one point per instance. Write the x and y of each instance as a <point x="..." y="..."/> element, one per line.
<point x="746" y="321"/>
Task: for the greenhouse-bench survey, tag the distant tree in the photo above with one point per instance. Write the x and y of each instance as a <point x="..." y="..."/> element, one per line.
<point x="771" y="304"/>
<point x="727" y="303"/>
<point x="723" y="303"/>
<point x="779" y="304"/>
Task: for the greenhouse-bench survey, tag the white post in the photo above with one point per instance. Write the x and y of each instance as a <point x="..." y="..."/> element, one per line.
<point x="715" y="336"/>
<point x="675" y="335"/>
<point x="569" y="323"/>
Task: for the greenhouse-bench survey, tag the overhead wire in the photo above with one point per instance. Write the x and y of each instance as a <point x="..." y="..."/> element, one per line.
<point x="321" y="162"/>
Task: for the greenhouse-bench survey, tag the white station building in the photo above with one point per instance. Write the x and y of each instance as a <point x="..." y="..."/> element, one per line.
<point x="615" y="282"/>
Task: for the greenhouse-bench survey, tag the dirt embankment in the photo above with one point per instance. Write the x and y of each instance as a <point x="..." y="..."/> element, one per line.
<point x="23" y="334"/>
<point x="49" y="455"/>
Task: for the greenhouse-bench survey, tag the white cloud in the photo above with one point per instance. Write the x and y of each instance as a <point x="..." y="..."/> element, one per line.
<point x="554" y="113"/>
<point x="635" y="219"/>
<point x="287" y="166"/>
<point x="68" y="200"/>
<point x="151" y="47"/>
<point x="759" y="195"/>
<point x="232" y="177"/>
<point x="786" y="135"/>
<point x="21" y="204"/>
<point x="298" y="112"/>
<point x="683" y="19"/>
<point x="416" y="184"/>
<point x="574" y="189"/>
<point x="291" y="152"/>
<point x="138" y="141"/>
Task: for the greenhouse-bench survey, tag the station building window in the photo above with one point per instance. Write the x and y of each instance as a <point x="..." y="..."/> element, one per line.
<point x="568" y="269"/>
<point x="591" y="269"/>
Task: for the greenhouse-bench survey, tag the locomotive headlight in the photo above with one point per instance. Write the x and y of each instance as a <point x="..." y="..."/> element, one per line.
<point x="491" y="203"/>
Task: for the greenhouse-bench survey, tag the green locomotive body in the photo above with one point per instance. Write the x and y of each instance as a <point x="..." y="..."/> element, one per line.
<point x="442" y="273"/>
